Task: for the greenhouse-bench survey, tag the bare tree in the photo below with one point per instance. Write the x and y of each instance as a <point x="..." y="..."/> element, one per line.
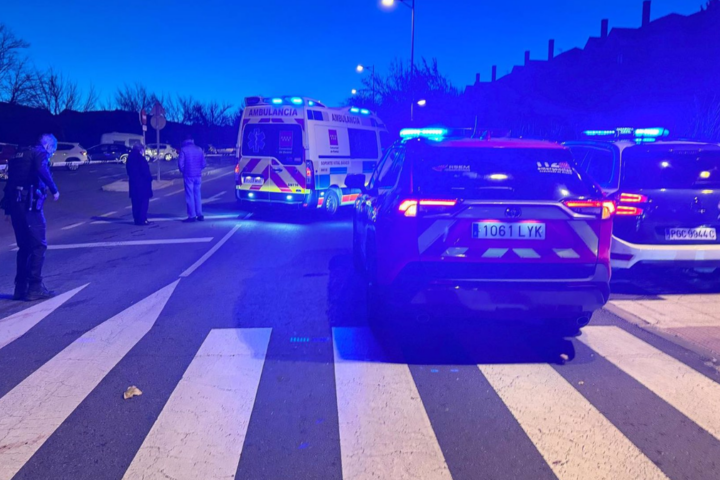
<point x="19" y="87"/>
<point x="92" y="99"/>
<point x="12" y="65"/>
<point x="54" y="92"/>
<point x="132" y="98"/>
<point x="215" y="114"/>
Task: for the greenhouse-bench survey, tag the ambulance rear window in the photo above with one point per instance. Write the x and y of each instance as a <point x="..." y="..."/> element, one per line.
<point x="498" y="174"/>
<point x="281" y="141"/>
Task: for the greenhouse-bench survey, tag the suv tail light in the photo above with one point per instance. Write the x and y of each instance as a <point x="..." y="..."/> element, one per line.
<point x="237" y="168"/>
<point x="604" y="208"/>
<point x="409" y="208"/>
<point x="629" y="211"/>
<point x="632" y="198"/>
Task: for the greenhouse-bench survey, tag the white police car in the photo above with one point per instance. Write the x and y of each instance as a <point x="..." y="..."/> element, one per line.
<point x="667" y="194"/>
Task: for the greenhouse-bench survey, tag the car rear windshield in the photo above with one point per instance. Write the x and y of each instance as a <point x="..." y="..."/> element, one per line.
<point x="283" y="142"/>
<point x="498" y="174"/>
<point x="679" y="167"/>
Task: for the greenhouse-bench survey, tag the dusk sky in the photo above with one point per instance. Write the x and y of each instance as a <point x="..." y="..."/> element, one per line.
<point x="230" y="49"/>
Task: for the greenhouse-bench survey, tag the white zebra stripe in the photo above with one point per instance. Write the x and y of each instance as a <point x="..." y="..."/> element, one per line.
<point x="34" y="409"/>
<point x="201" y="430"/>
<point x="690" y="392"/>
<point x="573" y="437"/>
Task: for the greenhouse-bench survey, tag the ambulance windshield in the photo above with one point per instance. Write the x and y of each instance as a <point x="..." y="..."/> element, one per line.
<point x="281" y="141"/>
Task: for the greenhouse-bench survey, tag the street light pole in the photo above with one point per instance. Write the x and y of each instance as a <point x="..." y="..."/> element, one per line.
<point x="412" y="59"/>
<point x="372" y="79"/>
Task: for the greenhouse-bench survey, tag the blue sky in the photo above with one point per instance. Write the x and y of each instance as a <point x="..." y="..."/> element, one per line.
<point x="230" y="49"/>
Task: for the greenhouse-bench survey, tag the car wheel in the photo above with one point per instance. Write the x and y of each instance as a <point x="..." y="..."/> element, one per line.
<point x="332" y="202"/>
<point x="123" y="159"/>
<point x="168" y="157"/>
<point x="72" y="166"/>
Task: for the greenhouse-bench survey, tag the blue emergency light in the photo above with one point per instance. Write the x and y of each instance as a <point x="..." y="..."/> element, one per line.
<point x="430" y="133"/>
<point x="355" y="110"/>
<point x="276" y="101"/>
<point x="296" y="100"/>
<point x="639" y="135"/>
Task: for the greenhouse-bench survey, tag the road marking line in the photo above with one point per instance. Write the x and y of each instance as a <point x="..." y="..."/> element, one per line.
<point x="201" y="430"/>
<point x="174" y="193"/>
<point x="573" y="437"/>
<point x="166" y="241"/>
<point x="384" y="429"/>
<point x="209" y="253"/>
<point x="693" y="394"/>
<point x="32" y="411"/>
<point x="16" y="325"/>
<point x="154" y="199"/>
<point x="108" y="214"/>
<point x="215" y="177"/>
<point x="73" y="226"/>
<point x="213" y="198"/>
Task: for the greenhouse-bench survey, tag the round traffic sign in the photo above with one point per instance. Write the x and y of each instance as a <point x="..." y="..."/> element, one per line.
<point x="158" y="122"/>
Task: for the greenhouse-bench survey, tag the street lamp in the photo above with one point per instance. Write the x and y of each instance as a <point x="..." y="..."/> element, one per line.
<point x="411" y="5"/>
<point x="361" y="68"/>
<point x="353" y="91"/>
<point x="422" y="102"/>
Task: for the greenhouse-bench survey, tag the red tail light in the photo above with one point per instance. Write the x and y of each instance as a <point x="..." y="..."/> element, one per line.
<point x="237" y="168"/>
<point x="632" y="198"/>
<point x="409" y="208"/>
<point x="309" y="172"/>
<point x="629" y="211"/>
<point x="605" y="208"/>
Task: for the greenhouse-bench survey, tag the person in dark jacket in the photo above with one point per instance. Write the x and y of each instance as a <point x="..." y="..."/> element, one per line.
<point x="25" y="192"/>
<point x="191" y="163"/>
<point x="140" y="180"/>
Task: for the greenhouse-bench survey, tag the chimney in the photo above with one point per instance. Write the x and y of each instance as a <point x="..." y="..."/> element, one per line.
<point x="646" y="13"/>
<point x="477" y="78"/>
<point x="494" y="73"/>
<point x="527" y="57"/>
<point x="551" y="49"/>
<point x="604" y="28"/>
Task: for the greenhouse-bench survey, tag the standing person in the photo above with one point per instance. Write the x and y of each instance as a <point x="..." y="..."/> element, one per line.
<point x="140" y="180"/>
<point x="191" y="163"/>
<point x="29" y="178"/>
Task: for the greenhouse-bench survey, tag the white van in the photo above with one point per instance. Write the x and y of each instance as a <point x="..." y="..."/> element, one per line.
<point x="297" y="151"/>
<point x="127" y="139"/>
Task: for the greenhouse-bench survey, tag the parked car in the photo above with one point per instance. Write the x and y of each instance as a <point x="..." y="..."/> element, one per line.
<point x="7" y="151"/>
<point x="503" y="227"/>
<point x="72" y="155"/>
<point x="165" y="151"/>
<point x="667" y="194"/>
<point x="109" y="152"/>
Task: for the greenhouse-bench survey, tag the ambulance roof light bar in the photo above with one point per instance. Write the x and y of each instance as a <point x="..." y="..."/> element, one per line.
<point x="287" y="100"/>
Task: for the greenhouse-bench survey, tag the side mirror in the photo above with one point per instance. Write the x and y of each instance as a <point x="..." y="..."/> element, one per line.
<point x="356" y="181"/>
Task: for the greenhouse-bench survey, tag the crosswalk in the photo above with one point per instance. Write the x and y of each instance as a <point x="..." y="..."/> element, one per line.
<point x="388" y="424"/>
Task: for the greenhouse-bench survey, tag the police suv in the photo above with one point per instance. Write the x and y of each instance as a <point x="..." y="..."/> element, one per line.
<point x="501" y="227"/>
<point x="667" y="194"/>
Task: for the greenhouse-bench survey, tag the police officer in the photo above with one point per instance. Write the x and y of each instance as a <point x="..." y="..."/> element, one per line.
<point x="29" y="179"/>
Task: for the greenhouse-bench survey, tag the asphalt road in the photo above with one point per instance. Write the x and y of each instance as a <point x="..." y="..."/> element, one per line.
<point x="247" y="336"/>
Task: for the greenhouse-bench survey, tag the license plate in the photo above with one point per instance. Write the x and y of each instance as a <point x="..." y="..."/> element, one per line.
<point x="690" y="234"/>
<point x="509" y="231"/>
<point x="253" y="180"/>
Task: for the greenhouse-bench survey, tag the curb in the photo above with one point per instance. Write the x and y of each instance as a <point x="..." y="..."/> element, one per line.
<point x="705" y="353"/>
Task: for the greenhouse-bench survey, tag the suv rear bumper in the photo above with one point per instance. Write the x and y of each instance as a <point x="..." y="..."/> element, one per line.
<point x="504" y="298"/>
<point x="626" y="255"/>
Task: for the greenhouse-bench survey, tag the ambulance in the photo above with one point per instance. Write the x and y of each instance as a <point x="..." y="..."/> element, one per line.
<point x="296" y="151"/>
